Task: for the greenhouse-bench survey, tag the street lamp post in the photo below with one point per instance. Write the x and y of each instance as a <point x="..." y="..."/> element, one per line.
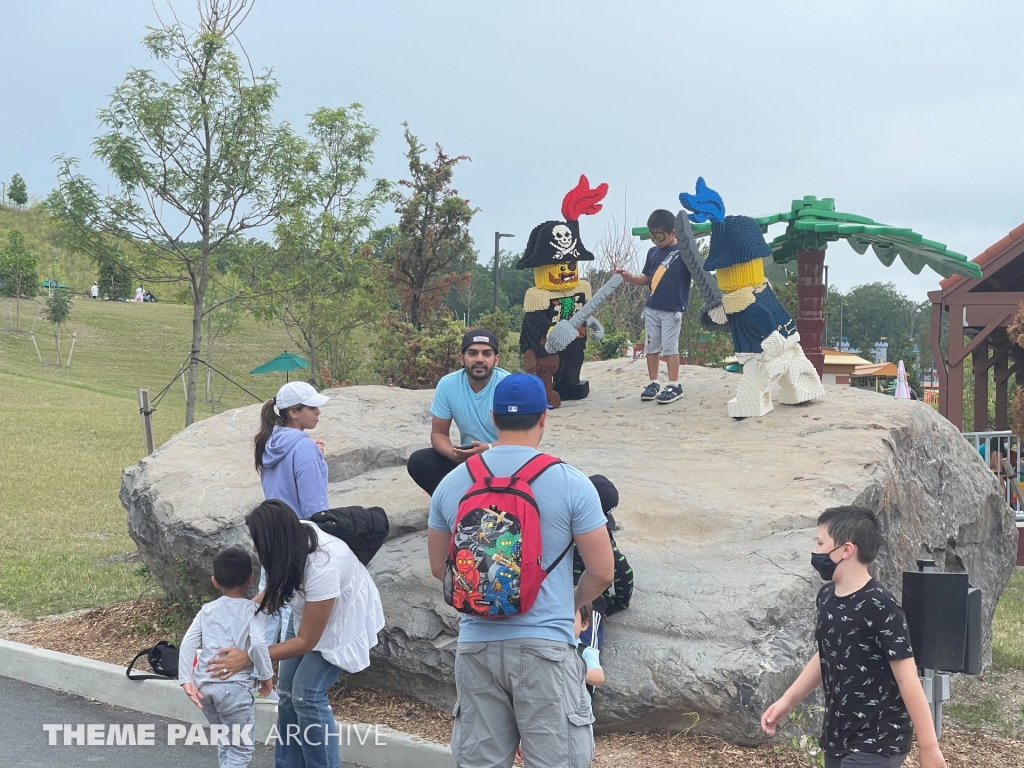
<point x="497" y="241"/>
<point x="914" y="312"/>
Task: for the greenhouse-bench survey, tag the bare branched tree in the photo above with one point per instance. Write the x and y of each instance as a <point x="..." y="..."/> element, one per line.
<point x="619" y="249"/>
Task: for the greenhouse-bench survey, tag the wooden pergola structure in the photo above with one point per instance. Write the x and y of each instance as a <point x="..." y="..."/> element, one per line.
<point x="979" y="310"/>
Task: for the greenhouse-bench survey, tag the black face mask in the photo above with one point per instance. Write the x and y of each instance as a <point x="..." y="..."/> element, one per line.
<point x="822" y="563"/>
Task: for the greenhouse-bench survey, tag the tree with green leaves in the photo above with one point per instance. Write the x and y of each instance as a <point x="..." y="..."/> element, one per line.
<point x="321" y="289"/>
<point x="197" y="158"/>
<point x="432" y="249"/>
<point x="18" y="274"/>
<point x="17" y="192"/>
<point x="115" y="272"/>
<point x="57" y="312"/>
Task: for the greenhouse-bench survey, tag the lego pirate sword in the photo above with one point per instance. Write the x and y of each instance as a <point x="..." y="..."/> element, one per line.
<point x="565" y="332"/>
<point x="712" y="315"/>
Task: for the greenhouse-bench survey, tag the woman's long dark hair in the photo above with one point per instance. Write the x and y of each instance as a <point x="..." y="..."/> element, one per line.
<point x="269" y="418"/>
<point x="282" y="544"/>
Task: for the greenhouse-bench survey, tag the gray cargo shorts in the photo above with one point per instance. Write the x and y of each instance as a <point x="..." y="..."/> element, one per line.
<point x="529" y="690"/>
<point x="662" y="329"/>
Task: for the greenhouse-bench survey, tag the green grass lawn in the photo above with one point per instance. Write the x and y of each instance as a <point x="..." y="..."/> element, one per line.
<point x="124" y="345"/>
<point x="68" y="433"/>
<point x="1008" y="625"/>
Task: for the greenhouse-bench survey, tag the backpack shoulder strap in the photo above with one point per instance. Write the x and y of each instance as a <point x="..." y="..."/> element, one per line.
<point x="535" y="467"/>
<point x="558" y="559"/>
<point x="477" y="467"/>
<point x="138" y="656"/>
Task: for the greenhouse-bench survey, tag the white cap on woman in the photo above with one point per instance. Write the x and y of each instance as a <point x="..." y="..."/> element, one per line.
<point x="298" y="393"/>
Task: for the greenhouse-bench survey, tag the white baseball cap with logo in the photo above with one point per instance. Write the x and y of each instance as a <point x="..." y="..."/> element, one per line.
<point x="298" y="393"/>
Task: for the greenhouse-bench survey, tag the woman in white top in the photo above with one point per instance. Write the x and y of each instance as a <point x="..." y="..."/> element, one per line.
<point x="337" y="614"/>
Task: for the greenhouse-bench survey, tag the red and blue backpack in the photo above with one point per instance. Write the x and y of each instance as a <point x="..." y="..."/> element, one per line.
<point x="494" y="564"/>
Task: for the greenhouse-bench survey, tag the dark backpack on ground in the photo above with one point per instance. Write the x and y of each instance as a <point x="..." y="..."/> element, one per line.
<point x="494" y="560"/>
<point x="162" y="658"/>
<point x="364" y="530"/>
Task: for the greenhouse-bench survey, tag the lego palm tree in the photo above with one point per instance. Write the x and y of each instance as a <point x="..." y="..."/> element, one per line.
<point x="811" y="224"/>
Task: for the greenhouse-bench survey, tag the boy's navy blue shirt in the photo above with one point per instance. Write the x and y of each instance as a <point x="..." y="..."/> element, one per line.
<point x="858" y="635"/>
<point x="670" y="287"/>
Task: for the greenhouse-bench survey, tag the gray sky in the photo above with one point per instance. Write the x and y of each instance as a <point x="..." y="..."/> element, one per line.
<point x="911" y="113"/>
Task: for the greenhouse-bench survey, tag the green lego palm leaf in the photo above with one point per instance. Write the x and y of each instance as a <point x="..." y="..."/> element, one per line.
<point x="813" y="223"/>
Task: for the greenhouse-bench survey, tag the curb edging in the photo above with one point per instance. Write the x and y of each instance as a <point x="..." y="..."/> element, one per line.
<point x="108" y="683"/>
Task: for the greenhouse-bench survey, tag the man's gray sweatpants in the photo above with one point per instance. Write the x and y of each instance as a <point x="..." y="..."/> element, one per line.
<point x="531" y="690"/>
<point x="230" y="704"/>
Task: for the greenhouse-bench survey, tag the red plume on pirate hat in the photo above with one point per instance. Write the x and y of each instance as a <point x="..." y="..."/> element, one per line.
<point x="554" y="242"/>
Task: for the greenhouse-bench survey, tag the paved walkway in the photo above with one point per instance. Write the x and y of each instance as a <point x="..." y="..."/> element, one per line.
<point x="24" y="743"/>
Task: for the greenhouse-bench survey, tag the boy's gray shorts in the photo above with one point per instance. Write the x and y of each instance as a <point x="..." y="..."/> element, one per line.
<point x="662" y="330"/>
<point x="521" y="689"/>
<point x="864" y="760"/>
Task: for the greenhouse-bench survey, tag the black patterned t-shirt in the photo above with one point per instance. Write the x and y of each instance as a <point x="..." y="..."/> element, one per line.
<point x="858" y="635"/>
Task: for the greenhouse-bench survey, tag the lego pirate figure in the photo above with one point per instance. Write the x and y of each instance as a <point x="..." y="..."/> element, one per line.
<point x="764" y="335"/>
<point x="553" y="252"/>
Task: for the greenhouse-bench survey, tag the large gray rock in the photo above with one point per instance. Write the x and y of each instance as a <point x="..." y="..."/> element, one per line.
<point x="717" y="520"/>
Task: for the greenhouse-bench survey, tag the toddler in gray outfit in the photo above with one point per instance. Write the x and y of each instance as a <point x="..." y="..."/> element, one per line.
<point x="230" y="621"/>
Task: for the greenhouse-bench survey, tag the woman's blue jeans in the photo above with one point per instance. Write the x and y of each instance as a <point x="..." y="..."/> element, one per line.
<point x="304" y="712"/>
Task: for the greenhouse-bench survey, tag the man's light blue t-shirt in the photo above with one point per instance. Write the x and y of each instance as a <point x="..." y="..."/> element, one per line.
<point x="455" y="399"/>
<point x="568" y="504"/>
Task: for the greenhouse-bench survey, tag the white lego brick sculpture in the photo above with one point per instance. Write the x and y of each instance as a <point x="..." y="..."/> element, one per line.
<point x="781" y="364"/>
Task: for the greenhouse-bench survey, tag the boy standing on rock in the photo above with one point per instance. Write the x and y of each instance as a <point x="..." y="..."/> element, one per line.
<point x="669" y="279"/>
<point x="873" y="697"/>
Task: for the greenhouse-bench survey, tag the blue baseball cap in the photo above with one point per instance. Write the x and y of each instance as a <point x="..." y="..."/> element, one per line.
<point x="520" y="393"/>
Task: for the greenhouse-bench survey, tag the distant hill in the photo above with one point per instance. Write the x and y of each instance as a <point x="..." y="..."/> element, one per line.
<point x="43" y="238"/>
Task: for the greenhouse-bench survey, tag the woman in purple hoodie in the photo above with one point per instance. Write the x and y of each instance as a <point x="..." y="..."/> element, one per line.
<point x="291" y="464"/>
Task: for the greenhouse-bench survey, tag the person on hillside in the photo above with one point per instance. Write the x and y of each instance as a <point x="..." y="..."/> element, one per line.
<point x="227" y="622"/>
<point x="465" y="398"/>
<point x="140" y="293"/>
<point x="336" y="615"/>
<point x="517" y="674"/>
<point x="865" y="666"/>
<point x="669" y="279"/>
<point x="94" y="292"/>
<point x="290" y="463"/>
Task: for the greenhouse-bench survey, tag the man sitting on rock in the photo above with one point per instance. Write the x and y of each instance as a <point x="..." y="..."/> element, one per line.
<point x="465" y="397"/>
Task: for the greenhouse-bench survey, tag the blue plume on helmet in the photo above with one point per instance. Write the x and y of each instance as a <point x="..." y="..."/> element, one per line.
<point x="705" y="204"/>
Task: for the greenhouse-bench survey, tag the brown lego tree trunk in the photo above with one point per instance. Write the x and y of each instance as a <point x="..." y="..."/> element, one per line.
<point x="810" y="293"/>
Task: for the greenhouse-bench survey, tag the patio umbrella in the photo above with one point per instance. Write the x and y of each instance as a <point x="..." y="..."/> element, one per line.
<point x="902" y="387"/>
<point x="286" y="362"/>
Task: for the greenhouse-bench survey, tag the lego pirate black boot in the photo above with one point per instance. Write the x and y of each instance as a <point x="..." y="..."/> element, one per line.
<point x="567" y="380"/>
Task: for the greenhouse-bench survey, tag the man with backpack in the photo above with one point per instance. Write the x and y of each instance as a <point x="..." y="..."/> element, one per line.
<point x="499" y="536"/>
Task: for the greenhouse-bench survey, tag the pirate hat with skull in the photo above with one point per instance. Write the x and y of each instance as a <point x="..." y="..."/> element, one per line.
<point x="554" y="242"/>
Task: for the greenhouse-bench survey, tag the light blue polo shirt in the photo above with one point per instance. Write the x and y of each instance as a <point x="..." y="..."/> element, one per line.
<point x="568" y="505"/>
<point x="455" y="399"/>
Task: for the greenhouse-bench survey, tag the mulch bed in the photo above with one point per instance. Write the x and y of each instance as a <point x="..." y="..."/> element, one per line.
<point x="116" y="633"/>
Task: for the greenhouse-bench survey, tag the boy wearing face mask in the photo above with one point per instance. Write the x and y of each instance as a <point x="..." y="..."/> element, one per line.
<point x="864" y="664"/>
